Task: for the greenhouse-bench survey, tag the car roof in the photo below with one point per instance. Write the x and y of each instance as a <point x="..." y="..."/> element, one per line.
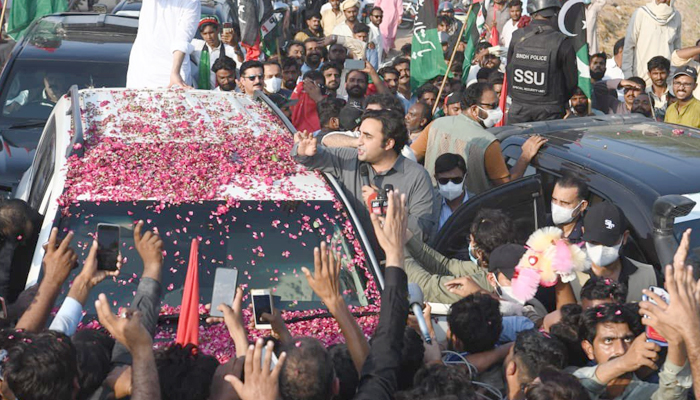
<point x="665" y="158"/>
<point x="80" y="37"/>
<point x="192" y="126"/>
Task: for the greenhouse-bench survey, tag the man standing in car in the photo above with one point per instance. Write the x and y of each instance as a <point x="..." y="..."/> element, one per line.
<point x="206" y="51"/>
<point x="541" y="71"/>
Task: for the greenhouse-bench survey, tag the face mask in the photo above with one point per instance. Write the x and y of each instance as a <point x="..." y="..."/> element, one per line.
<point x="273" y="85"/>
<point x="506" y="292"/>
<point x="471" y="255"/>
<point x="562" y="215"/>
<point x="493" y="117"/>
<point x="450" y="191"/>
<point x="602" y="255"/>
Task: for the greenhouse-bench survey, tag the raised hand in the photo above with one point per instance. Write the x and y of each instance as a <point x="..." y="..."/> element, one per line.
<point x="531" y="146"/>
<point x="463" y="286"/>
<point x="278" y="325"/>
<point x="59" y="258"/>
<point x="127" y="328"/>
<point x="233" y="318"/>
<point x="306" y="144"/>
<point x="641" y="354"/>
<point x="261" y="383"/>
<point x="325" y="281"/>
<point x="150" y="248"/>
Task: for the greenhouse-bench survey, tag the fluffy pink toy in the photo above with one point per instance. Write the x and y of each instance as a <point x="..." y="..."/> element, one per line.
<point x="562" y="257"/>
<point x="525" y="283"/>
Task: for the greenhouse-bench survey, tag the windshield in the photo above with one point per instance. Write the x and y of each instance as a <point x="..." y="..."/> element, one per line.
<point x="267" y="241"/>
<point x="34" y="86"/>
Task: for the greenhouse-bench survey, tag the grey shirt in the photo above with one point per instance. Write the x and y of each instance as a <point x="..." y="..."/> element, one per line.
<point x="406" y="176"/>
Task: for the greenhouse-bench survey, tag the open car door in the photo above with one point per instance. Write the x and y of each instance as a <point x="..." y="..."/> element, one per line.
<point x="522" y="200"/>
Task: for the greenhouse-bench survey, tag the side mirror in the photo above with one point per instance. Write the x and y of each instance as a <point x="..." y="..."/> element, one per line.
<point x="664" y="212"/>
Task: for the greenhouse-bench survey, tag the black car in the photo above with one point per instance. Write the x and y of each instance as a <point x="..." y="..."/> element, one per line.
<point x="57" y="51"/>
<point x="651" y="170"/>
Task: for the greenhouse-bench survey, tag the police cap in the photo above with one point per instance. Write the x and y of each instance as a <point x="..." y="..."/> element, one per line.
<point x="546" y="8"/>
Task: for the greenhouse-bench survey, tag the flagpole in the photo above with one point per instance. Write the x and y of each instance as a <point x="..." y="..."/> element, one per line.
<point x="452" y="57"/>
<point x="2" y="17"/>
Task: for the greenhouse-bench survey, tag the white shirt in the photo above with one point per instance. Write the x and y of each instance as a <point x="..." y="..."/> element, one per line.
<point x="612" y="71"/>
<point x="342" y="29"/>
<point x="198" y="46"/>
<point x="508" y="29"/>
<point x="375" y="36"/>
<point x="165" y="26"/>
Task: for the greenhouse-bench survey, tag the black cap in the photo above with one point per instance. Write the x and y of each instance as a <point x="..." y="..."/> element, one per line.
<point x="604" y="223"/>
<point x="350" y="118"/>
<point x="505" y="258"/>
<point x="687" y="70"/>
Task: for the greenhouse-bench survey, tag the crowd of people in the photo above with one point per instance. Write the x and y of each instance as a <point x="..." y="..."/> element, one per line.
<point x="606" y="331"/>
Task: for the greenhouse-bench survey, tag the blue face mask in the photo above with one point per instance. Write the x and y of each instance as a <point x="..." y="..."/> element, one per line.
<point x="471" y="255"/>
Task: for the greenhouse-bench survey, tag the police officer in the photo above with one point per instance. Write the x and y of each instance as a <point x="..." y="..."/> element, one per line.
<point x="541" y="67"/>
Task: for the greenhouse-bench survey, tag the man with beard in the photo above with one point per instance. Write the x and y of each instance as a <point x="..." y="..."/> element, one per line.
<point x="600" y="99"/>
<point x="417" y="118"/>
<point x="403" y="65"/>
<point x="356" y="86"/>
<point x="659" y="68"/>
<point x="313" y="27"/>
<point x="578" y="105"/>
<point x="350" y="9"/>
<point x="290" y="74"/>
<point x="643" y="104"/>
<point x="686" y="110"/>
<point x="225" y="71"/>
<point x="331" y="74"/>
<point x="337" y="53"/>
<point x="631" y="88"/>
<point x="252" y="77"/>
<point x="314" y="55"/>
<point x="296" y="51"/>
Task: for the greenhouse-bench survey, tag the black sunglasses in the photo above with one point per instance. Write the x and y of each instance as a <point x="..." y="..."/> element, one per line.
<point x="457" y="180"/>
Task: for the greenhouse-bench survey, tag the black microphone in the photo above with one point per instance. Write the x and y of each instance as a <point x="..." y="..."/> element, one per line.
<point x="364" y="173"/>
<point x="415" y="301"/>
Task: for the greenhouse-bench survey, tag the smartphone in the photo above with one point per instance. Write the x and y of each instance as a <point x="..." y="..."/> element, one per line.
<point x="351" y="64"/>
<point x="262" y="303"/>
<point x="652" y="334"/>
<point x="225" y="283"/>
<point x="228" y="27"/>
<point x="107" y="246"/>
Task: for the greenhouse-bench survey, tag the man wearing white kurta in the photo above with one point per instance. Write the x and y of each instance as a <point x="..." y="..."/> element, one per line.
<point x="160" y="56"/>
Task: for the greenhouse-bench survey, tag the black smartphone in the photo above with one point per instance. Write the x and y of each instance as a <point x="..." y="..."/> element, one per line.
<point x="225" y="282"/>
<point x="262" y="303"/>
<point x="107" y="246"/>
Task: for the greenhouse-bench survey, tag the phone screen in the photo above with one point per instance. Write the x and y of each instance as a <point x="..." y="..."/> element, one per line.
<point x="652" y="334"/>
<point x="225" y="282"/>
<point x="107" y="246"/>
<point x="262" y="304"/>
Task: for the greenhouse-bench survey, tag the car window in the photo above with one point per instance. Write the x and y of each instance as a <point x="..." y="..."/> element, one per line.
<point x="44" y="163"/>
<point x="35" y="85"/>
<point x="511" y="153"/>
<point x="267" y="241"/>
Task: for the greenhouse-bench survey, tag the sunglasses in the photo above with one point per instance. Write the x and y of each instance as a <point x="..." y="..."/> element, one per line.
<point x="253" y="77"/>
<point x="457" y="180"/>
<point x="377" y="16"/>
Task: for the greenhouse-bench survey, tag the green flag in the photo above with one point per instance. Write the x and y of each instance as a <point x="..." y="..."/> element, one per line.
<point x="427" y="58"/>
<point x="471" y="39"/>
<point x="271" y="31"/>
<point x="24" y="12"/>
<point x="572" y="22"/>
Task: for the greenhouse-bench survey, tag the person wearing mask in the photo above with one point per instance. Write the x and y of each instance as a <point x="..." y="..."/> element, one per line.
<point x="578" y="105"/>
<point x="252" y="77"/>
<point x="605" y="232"/>
<point x="569" y="203"/>
<point x="273" y="79"/>
<point x="225" y="71"/>
<point x="659" y="68"/>
<point x="465" y="134"/>
<point x="291" y="71"/>
<point x="350" y="9"/>
<point x="686" y="109"/>
<point x="654" y="30"/>
<point x="205" y="53"/>
<point x="314" y="55"/>
<point x="643" y="104"/>
<point x="332" y="17"/>
<point x="313" y="27"/>
<point x="417" y="118"/>
<point x="447" y="10"/>
<point x="450" y="174"/>
<point x="160" y="56"/>
<point x="541" y="69"/>
<point x="331" y="73"/>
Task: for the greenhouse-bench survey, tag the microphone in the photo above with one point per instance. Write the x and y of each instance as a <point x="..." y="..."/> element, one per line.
<point x="364" y="173"/>
<point x="415" y="301"/>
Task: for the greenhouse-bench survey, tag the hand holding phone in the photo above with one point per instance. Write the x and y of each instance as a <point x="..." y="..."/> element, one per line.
<point x="107" y="247"/>
<point x="652" y="334"/>
<point x="262" y="303"/>
<point x="225" y="283"/>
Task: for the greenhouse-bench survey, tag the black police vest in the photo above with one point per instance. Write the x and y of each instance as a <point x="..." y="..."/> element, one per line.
<point x="533" y="75"/>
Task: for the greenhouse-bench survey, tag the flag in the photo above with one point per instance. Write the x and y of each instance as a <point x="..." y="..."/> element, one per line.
<point x="471" y="39"/>
<point x="24" y="12"/>
<point x="188" y="324"/>
<point x="572" y="22"/>
<point x="250" y="14"/>
<point x="271" y="31"/>
<point x="503" y="101"/>
<point x="427" y="58"/>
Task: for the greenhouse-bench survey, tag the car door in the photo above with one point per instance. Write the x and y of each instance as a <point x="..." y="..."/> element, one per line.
<point x="522" y="200"/>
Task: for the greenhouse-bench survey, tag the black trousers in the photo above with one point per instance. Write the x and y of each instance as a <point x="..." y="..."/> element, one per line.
<point x="520" y="112"/>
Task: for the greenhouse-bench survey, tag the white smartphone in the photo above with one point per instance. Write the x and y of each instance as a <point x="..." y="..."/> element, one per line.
<point x="225" y="281"/>
<point x="262" y="303"/>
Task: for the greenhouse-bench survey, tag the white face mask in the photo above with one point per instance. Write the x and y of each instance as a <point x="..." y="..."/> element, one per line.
<point x="494" y="116"/>
<point x="562" y="215"/>
<point x="273" y="85"/>
<point x="602" y="255"/>
<point x="450" y="190"/>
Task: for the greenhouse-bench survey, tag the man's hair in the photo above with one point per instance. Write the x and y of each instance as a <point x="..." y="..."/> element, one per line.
<point x="442" y="381"/>
<point x="393" y="126"/>
<point x="449" y="161"/>
<point x="597" y="288"/>
<point x="491" y="228"/>
<point x="641" y="82"/>
<point x="472" y="95"/>
<point x="314" y="75"/>
<point x="388" y="70"/>
<point x="484" y="73"/>
<point x="226" y="63"/>
<point x="426" y="88"/>
<point x="444" y="19"/>
<point x="495" y="78"/>
<point x="619" y="45"/>
<point x="603" y="314"/>
<point x="515" y="3"/>
<point x="376" y="8"/>
<point x="310" y="40"/>
<point x="250" y="64"/>
<point x="401" y="60"/>
<point x="534" y="350"/>
<point x="477" y="322"/>
<point x="272" y="62"/>
<point x="405" y="50"/>
<point x="599" y="55"/>
<point x="17" y="218"/>
<point x="41" y="366"/>
<point x="386" y="101"/>
<point x="293" y="43"/>
<point x="363" y="73"/>
<point x="571" y="181"/>
<point x="313" y="14"/>
<point x="659" y="62"/>
<point x="184" y="372"/>
<point x="567" y="331"/>
<point x="94" y="357"/>
<point x="411" y="358"/>
<point x="331" y="65"/>
<point x="426" y="112"/>
<point x="579" y="92"/>
<point x="345" y="370"/>
<point x="556" y="385"/>
<point x="307" y="373"/>
<point x="360" y="28"/>
<point x="483" y="45"/>
<point x="290" y="62"/>
<point x="329" y="108"/>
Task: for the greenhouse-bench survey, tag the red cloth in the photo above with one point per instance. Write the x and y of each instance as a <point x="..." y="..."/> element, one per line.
<point x="304" y="114"/>
<point x="502" y="101"/>
<point x="494" y="30"/>
<point x="188" y="325"/>
<point x="252" y="52"/>
<point x="524" y="21"/>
